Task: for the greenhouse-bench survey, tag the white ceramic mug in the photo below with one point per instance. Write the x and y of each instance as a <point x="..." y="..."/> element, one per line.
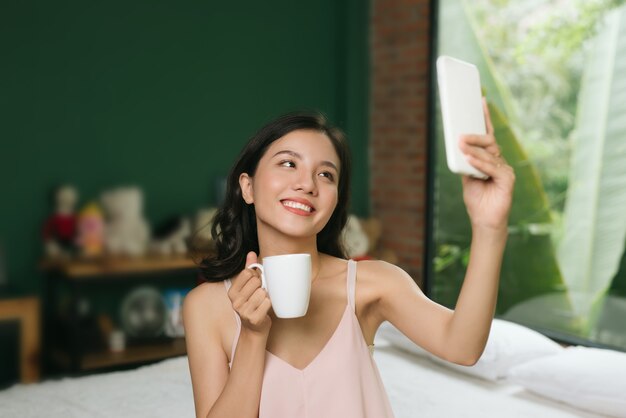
<point x="287" y="279"/>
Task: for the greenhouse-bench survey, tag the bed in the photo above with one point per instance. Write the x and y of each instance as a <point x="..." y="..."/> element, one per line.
<point x="417" y="387"/>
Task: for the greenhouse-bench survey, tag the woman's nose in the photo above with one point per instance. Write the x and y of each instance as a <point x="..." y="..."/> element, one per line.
<point x="307" y="184"/>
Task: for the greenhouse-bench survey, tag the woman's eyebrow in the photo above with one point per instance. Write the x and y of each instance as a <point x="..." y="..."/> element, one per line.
<point x="298" y="156"/>
<point x="330" y="164"/>
<point x="288" y="152"/>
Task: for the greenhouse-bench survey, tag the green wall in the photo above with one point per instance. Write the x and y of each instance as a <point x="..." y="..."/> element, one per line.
<point x="161" y="95"/>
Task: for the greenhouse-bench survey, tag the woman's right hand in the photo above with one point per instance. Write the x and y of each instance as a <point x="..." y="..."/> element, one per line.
<point x="250" y="300"/>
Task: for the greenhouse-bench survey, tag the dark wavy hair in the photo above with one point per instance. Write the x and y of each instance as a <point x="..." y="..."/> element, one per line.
<point x="234" y="229"/>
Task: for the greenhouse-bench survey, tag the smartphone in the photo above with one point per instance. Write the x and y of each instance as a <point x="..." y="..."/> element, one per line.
<point x="461" y="110"/>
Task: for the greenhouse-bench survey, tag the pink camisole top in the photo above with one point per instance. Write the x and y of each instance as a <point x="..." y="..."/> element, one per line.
<point x="342" y="381"/>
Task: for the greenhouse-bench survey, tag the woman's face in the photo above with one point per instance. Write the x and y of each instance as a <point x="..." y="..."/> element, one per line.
<point x="295" y="187"/>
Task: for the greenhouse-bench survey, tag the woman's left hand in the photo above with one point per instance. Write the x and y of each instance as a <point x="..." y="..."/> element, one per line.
<point x="488" y="201"/>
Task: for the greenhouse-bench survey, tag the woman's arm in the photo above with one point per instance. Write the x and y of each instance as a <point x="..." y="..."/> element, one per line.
<point x="208" y="363"/>
<point x="471" y="322"/>
<point x="460" y="335"/>
<point x="217" y="391"/>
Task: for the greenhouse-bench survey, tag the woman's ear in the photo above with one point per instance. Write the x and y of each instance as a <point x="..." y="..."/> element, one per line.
<point x="245" y="182"/>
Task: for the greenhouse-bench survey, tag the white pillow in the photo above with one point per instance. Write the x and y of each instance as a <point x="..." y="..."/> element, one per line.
<point x="508" y="345"/>
<point x="588" y="378"/>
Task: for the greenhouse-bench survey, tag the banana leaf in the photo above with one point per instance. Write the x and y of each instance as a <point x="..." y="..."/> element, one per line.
<point x="595" y="211"/>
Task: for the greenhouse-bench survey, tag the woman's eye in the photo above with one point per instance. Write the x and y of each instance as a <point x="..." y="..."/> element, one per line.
<point x="328" y="175"/>
<point x="287" y="163"/>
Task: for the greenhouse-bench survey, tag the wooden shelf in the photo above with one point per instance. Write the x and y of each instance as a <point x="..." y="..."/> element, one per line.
<point x="134" y="354"/>
<point x="80" y="274"/>
<point x="86" y="269"/>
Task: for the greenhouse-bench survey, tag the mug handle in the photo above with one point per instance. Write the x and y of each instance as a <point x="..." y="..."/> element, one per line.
<point x="260" y="267"/>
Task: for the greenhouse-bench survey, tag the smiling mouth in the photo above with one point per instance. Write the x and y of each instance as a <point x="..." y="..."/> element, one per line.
<point x="297" y="205"/>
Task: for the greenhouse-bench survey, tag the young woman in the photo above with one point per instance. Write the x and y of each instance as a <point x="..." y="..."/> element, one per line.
<point x="288" y="193"/>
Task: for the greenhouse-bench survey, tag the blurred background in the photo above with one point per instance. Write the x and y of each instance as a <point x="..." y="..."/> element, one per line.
<point x="158" y="96"/>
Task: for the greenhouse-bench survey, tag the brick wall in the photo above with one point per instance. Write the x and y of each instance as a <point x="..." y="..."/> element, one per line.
<point x="400" y="66"/>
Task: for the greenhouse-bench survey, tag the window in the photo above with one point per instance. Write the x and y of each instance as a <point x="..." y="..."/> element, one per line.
<point x="554" y="74"/>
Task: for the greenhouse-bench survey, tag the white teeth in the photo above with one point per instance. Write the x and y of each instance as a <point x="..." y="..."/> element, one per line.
<point x="297" y="205"/>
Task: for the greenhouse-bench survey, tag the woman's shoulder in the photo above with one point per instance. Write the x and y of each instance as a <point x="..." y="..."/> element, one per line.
<point x="207" y="312"/>
<point x="208" y="298"/>
<point x="371" y="275"/>
<point x="378" y="278"/>
<point x="209" y="323"/>
<point x="205" y="290"/>
<point x="378" y="270"/>
<point x="369" y="271"/>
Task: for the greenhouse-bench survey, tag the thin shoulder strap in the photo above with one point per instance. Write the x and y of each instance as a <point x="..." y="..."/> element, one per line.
<point x="351" y="290"/>
<point x="227" y="285"/>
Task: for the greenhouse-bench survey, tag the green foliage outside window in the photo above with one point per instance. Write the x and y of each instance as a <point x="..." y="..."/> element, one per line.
<point x="554" y="74"/>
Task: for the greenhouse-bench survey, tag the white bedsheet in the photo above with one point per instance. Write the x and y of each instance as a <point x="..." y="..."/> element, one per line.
<point x="416" y="388"/>
<point x="161" y="390"/>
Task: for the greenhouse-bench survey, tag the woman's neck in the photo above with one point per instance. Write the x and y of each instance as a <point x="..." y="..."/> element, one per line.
<point x="278" y="247"/>
<point x="270" y="245"/>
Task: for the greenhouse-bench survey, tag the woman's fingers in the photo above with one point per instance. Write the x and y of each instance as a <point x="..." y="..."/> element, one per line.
<point x="486" y="167"/>
<point x="250" y="287"/>
<point x="473" y="140"/>
<point x="248" y="297"/>
<point x="478" y="145"/>
<point x="254" y="310"/>
<point x="251" y="258"/>
<point x="242" y="278"/>
<point x="240" y="297"/>
<point x="262" y="310"/>
<point x="239" y="282"/>
<point x="489" y="164"/>
<point x="489" y="153"/>
<point x="256" y="307"/>
<point x="485" y="159"/>
<point x="258" y="315"/>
